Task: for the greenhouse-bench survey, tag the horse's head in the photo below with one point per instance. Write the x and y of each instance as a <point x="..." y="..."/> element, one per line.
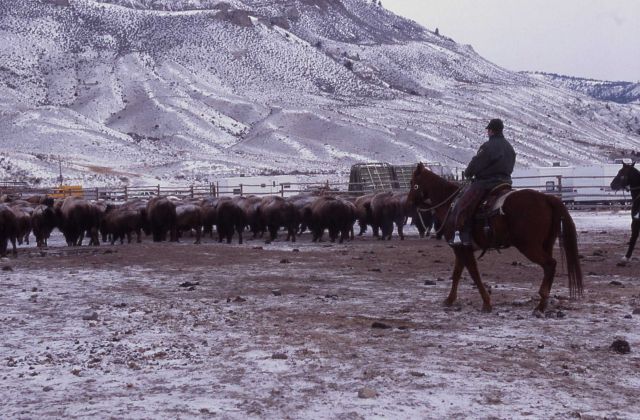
<point x="624" y="177"/>
<point x="420" y="182"/>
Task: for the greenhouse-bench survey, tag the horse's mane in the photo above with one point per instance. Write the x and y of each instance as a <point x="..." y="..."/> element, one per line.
<point x="422" y="170"/>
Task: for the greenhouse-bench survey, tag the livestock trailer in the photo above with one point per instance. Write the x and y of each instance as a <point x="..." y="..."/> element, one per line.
<point x="384" y="176"/>
<point x="405" y="172"/>
<point x="372" y="176"/>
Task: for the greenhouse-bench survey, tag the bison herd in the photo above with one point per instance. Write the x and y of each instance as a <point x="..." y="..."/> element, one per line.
<point x="170" y="218"/>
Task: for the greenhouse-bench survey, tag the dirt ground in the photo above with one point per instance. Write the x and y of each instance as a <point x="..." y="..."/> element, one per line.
<point x="291" y="331"/>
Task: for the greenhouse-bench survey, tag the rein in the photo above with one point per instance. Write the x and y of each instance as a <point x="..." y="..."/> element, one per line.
<point x="442" y="203"/>
<point x="420" y="210"/>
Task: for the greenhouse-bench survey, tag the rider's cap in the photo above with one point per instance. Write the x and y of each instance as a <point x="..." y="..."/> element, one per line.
<point x="495" y="125"/>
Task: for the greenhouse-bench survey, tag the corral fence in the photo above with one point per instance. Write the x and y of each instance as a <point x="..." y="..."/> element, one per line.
<point x="577" y="192"/>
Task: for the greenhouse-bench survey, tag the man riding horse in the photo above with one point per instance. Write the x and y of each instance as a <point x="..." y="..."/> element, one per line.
<point x="490" y="167"/>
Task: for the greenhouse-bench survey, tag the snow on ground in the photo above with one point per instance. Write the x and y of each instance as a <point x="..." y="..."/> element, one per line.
<point x="606" y="219"/>
<point x="285" y="331"/>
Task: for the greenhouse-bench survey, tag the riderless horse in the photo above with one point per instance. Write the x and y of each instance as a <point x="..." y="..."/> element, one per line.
<point x="529" y="220"/>
<point x="629" y="178"/>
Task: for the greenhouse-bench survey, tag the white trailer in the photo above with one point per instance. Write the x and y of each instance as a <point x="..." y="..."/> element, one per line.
<point x="548" y="179"/>
<point x="592" y="184"/>
<point x="579" y="184"/>
<point x="259" y="185"/>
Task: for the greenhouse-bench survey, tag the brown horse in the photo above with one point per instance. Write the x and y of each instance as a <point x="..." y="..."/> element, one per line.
<point x="628" y="177"/>
<point x="531" y="222"/>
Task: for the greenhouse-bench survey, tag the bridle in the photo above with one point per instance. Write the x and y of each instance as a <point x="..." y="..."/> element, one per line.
<point x="627" y="177"/>
<point x="446" y="200"/>
<point x="441" y="204"/>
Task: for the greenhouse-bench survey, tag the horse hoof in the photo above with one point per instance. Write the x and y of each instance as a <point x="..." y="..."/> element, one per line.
<point x="447" y="303"/>
<point x="538" y="313"/>
<point x="487" y="309"/>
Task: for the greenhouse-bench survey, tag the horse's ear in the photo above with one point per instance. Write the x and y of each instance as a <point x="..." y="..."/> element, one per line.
<point x="633" y="164"/>
<point x="419" y="168"/>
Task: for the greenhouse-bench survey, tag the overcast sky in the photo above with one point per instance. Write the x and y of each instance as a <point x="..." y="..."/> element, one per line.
<point x="588" y="38"/>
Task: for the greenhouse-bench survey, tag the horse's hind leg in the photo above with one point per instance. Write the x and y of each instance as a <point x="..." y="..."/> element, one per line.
<point x="472" y="267"/>
<point x="635" y="230"/>
<point x="457" y="273"/>
<point x="544" y="258"/>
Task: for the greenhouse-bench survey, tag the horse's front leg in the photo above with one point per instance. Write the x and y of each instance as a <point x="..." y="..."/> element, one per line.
<point x="472" y="267"/>
<point x="457" y="273"/>
<point x="635" y="230"/>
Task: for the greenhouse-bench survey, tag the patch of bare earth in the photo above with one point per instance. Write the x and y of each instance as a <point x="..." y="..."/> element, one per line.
<point x="287" y="331"/>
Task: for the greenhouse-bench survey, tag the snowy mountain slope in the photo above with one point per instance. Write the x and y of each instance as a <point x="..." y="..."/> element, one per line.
<point x="148" y="90"/>
<point x="620" y="92"/>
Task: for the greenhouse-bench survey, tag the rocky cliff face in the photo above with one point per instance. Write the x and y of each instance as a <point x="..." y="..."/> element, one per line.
<point x="168" y="91"/>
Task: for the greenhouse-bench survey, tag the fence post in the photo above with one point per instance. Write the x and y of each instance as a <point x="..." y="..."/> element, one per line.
<point x="126" y="193"/>
<point x="158" y="190"/>
<point x="560" y="185"/>
<point x="281" y="190"/>
<point x="191" y="190"/>
<point x="97" y="194"/>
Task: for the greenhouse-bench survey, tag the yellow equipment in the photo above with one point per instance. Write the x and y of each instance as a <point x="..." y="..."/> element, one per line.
<point x="64" y="191"/>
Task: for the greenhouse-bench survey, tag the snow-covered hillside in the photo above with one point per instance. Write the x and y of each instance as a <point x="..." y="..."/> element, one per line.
<point x="620" y="92"/>
<point x="140" y="91"/>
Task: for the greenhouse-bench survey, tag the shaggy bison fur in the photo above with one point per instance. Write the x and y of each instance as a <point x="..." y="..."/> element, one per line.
<point x="8" y="230"/>
<point x="162" y="218"/>
<point x="77" y="216"/>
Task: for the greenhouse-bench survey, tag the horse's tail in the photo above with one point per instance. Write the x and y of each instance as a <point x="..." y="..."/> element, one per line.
<point x="568" y="243"/>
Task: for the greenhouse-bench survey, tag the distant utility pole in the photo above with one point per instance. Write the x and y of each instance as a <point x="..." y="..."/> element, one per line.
<point x="60" y="170"/>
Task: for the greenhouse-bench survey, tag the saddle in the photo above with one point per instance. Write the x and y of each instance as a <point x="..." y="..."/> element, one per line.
<point x="493" y="202"/>
<point x="488" y="209"/>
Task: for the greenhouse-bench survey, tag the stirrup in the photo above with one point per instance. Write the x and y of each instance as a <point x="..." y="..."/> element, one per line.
<point x="456" y="241"/>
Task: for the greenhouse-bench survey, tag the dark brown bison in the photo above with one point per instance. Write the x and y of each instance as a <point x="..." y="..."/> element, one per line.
<point x="276" y="212"/>
<point x="120" y="222"/>
<point x="8" y="198"/>
<point x="363" y="214"/>
<point x="250" y="206"/>
<point x="231" y="218"/>
<point x="139" y="205"/>
<point x="333" y="214"/>
<point x="22" y="210"/>
<point x="301" y="202"/>
<point x="388" y="208"/>
<point x="8" y="230"/>
<point x="162" y="218"/>
<point x="189" y="217"/>
<point x="75" y="217"/>
<point x="40" y="199"/>
<point x="353" y="211"/>
<point x="43" y="221"/>
<point x="209" y="208"/>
